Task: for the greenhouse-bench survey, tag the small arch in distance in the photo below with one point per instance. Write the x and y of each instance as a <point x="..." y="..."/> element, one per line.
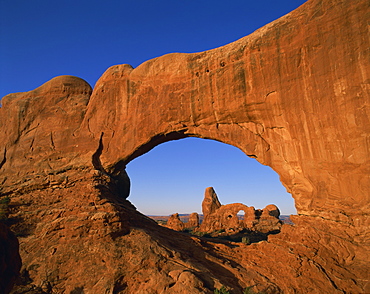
<point x="172" y="177"/>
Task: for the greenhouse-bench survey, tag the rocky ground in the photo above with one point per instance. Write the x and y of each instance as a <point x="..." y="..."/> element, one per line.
<point x="84" y="228"/>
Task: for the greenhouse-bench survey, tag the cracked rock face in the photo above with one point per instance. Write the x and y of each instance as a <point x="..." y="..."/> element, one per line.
<point x="294" y="95"/>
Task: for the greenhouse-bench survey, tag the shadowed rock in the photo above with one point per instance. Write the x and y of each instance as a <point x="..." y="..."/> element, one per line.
<point x="10" y="261"/>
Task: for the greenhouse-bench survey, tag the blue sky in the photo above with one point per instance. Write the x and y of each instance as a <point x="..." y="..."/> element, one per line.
<point x="172" y="178"/>
<point x="41" y="39"/>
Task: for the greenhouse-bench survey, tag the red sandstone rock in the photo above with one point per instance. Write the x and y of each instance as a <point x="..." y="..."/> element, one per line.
<point x="175" y="223"/>
<point x="193" y="221"/>
<point x="294" y="95"/>
<point x="271" y="210"/>
<point x="226" y="218"/>
<point x="210" y="202"/>
<point x="282" y="95"/>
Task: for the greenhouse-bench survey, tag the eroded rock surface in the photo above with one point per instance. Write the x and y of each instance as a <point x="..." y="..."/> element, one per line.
<point x="294" y="95"/>
<point x="175" y="223"/>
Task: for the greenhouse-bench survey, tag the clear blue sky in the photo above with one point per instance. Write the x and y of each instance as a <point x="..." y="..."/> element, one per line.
<point x="41" y="39"/>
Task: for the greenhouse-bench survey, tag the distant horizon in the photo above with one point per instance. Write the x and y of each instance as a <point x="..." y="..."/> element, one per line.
<point x="179" y="188"/>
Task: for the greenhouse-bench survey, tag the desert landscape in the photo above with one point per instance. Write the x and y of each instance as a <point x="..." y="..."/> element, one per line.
<point x="294" y="95"/>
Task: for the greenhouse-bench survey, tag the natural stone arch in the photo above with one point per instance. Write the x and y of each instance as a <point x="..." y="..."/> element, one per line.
<point x="272" y="94"/>
<point x="291" y="95"/>
<point x="252" y="96"/>
<point x="243" y="133"/>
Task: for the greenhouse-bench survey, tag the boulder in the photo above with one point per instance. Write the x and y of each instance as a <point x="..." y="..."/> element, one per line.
<point x="175" y="223"/>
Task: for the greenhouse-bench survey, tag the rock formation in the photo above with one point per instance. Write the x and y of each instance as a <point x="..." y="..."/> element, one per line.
<point x="210" y="202"/>
<point x="193" y="221"/>
<point x="225" y="217"/>
<point x="175" y="223"/>
<point x="294" y="95"/>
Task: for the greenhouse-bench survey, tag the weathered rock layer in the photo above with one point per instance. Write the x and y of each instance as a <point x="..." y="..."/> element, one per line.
<point x="294" y="95"/>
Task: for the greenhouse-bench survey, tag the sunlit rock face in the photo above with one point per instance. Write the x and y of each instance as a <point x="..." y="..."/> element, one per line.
<point x="210" y="202"/>
<point x="294" y="95"/>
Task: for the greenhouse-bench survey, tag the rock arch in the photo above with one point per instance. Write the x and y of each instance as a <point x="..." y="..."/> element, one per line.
<point x="273" y="94"/>
<point x="291" y="95"/>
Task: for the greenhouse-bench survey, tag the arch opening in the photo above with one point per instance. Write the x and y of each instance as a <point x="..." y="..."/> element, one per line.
<point x="170" y="177"/>
<point x="241" y="215"/>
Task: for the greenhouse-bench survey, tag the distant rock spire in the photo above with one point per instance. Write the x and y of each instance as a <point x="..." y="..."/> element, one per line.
<point x="210" y="202"/>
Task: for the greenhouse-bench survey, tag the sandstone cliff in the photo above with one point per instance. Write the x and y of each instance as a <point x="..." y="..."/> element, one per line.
<point x="294" y="95"/>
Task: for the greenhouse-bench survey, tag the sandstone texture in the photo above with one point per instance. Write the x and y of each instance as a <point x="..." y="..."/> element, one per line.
<point x="294" y="95"/>
<point x="175" y="223"/>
